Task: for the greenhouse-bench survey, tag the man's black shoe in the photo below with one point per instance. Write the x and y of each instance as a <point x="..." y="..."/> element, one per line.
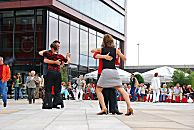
<point x="43" y="107"/>
<point x="55" y="106"/>
<point x="4" y="104"/>
<point x="117" y="112"/>
<point x="61" y="104"/>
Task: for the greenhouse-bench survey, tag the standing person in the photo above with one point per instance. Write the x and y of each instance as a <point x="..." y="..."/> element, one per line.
<point x="4" y="77"/>
<point x="110" y="94"/>
<point x="110" y="76"/>
<point x="29" y="74"/>
<point x="37" y="92"/>
<point x="9" y="87"/>
<point x="18" y="83"/>
<point x="177" y="92"/>
<point x="80" y="87"/>
<point x="70" y="90"/>
<point x="41" y="87"/>
<point x="163" y="94"/>
<point x="149" y="94"/>
<point x="53" y="75"/>
<point x="155" y="86"/>
<point x="64" y="91"/>
<point x="132" y="91"/>
<point x="31" y="85"/>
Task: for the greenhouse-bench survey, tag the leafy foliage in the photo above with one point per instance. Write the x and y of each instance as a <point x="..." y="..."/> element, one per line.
<point x="182" y="79"/>
<point x="179" y="77"/>
<point x="191" y="79"/>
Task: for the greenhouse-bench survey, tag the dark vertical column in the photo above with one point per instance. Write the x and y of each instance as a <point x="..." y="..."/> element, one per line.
<point x="14" y="26"/>
<point x="122" y="50"/>
<point x="46" y="37"/>
<point x="35" y="39"/>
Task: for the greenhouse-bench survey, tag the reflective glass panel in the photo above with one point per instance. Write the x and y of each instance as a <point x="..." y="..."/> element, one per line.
<point x="74" y="44"/>
<point x="64" y="37"/>
<point x="24" y="12"/>
<point x="92" y="43"/>
<point x="53" y="29"/>
<point x="24" y="37"/>
<point x="120" y="3"/>
<point x="84" y="60"/>
<point x="99" y="11"/>
<point x="99" y="42"/>
<point x="6" y="36"/>
<point x="92" y="62"/>
<point x="83" y="42"/>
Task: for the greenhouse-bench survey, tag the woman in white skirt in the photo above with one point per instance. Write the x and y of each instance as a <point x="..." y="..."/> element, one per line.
<point x="110" y="77"/>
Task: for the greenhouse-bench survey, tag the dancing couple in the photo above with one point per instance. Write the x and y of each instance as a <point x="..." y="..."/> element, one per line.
<point x="110" y="77"/>
<point x="53" y="76"/>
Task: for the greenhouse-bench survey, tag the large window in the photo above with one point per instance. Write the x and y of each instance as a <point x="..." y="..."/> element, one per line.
<point x="74" y="44"/>
<point x="120" y="3"/>
<point x="6" y="33"/>
<point x="92" y="45"/>
<point x="83" y="47"/>
<point x="64" y="37"/>
<point x="92" y="42"/>
<point x="40" y="33"/>
<point x="98" y="11"/>
<point x="22" y="36"/>
<point x="53" y="29"/>
<point x="83" y="42"/>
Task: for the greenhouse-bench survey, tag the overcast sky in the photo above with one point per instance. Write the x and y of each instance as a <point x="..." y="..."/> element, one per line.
<point x="164" y="29"/>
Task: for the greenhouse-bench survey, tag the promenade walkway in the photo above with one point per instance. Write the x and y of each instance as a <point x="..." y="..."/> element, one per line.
<point x="81" y="115"/>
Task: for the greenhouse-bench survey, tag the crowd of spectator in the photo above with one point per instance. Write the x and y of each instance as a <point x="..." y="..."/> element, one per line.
<point x="142" y="92"/>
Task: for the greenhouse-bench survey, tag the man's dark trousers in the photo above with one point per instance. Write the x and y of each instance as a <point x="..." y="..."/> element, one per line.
<point x="52" y="78"/>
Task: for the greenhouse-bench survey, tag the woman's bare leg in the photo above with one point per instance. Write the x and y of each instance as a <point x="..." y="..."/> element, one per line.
<point x="101" y="98"/>
<point x="125" y="96"/>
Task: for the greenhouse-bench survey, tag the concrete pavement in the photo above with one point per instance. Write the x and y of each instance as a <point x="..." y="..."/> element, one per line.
<point x="81" y="115"/>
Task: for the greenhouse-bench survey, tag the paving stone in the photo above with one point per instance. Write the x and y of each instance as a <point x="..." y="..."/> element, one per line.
<point x="81" y="115"/>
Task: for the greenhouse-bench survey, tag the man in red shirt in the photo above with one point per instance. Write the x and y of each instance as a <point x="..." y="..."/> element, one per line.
<point x="53" y="75"/>
<point x="108" y="93"/>
<point x="4" y="77"/>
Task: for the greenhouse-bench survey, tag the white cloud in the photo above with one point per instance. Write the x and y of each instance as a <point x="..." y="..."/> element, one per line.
<point x="163" y="28"/>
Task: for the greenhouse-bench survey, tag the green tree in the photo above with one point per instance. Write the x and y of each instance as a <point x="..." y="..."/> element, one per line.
<point x="180" y="77"/>
<point x="191" y="79"/>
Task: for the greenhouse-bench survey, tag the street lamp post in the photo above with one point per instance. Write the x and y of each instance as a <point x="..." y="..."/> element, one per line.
<point x="138" y="53"/>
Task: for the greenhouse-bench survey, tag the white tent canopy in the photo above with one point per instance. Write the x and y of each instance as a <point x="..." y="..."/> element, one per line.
<point x="124" y="75"/>
<point x="165" y="73"/>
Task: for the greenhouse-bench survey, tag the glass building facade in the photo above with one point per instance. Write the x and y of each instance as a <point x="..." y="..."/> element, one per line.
<point x="21" y="37"/>
<point x="99" y="11"/>
<point x="76" y="39"/>
<point x="26" y="31"/>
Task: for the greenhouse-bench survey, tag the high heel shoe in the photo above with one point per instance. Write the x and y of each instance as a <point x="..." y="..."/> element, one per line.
<point x="129" y="112"/>
<point x="103" y="112"/>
